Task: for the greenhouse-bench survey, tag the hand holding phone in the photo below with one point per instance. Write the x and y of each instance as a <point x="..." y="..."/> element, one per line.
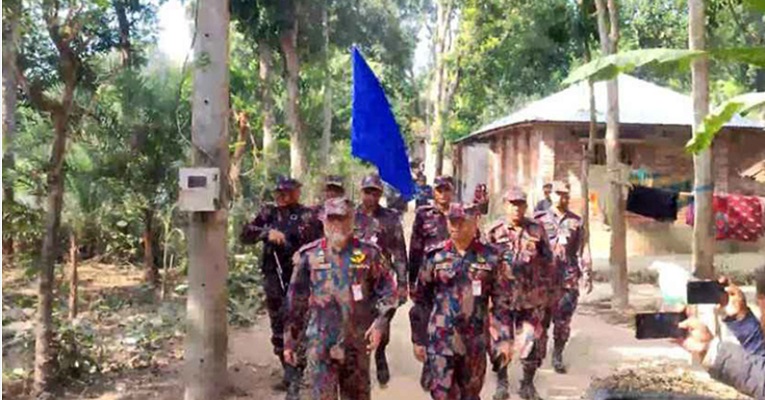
<point x="661" y="325"/>
<point x="706" y="292"/>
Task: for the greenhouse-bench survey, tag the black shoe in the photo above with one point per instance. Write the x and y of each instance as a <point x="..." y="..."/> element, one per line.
<point x="293" y="378"/>
<point x="383" y="374"/>
<point x="528" y="391"/>
<point x="503" y="386"/>
<point x="557" y="360"/>
<point x="280" y="386"/>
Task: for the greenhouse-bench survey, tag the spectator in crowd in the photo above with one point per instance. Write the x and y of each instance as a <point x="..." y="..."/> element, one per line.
<point x="740" y="365"/>
<point x="546" y="202"/>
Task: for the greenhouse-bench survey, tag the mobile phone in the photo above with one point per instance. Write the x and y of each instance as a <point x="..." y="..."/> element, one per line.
<point x="659" y="325"/>
<point x="705" y="292"/>
<point x="496" y="362"/>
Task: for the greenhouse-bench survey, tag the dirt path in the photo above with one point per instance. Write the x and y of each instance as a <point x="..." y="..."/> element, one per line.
<point x="595" y="349"/>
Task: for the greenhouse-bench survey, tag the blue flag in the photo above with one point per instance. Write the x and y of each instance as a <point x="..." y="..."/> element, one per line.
<point x="375" y="136"/>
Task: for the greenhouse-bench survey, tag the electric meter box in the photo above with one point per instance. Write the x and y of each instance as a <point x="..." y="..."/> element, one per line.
<point x="200" y="189"/>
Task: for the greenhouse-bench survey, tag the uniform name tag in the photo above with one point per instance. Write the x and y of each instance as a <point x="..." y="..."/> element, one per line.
<point x="358" y="295"/>
<point x="476" y="288"/>
<point x="481" y="266"/>
<point x="322" y="266"/>
<point x="563" y="240"/>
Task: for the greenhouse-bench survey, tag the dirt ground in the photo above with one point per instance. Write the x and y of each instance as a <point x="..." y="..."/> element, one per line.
<point x="602" y="343"/>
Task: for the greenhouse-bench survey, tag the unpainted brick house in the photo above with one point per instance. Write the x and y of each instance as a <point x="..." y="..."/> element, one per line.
<point x="547" y="141"/>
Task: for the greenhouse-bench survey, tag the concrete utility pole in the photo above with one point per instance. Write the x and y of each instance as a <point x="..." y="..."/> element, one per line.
<point x="703" y="224"/>
<point x="609" y="38"/>
<point x="206" y="336"/>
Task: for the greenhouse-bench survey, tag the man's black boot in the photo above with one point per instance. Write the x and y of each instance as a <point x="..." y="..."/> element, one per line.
<point x="294" y="378"/>
<point x="527" y="390"/>
<point x="381" y="361"/>
<point x="557" y="358"/>
<point x="503" y="385"/>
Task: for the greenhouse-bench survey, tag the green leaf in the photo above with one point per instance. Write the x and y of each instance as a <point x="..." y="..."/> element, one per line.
<point x="758" y="5"/>
<point x="605" y="68"/>
<point x="715" y="120"/>
<point x="745" y="55"/>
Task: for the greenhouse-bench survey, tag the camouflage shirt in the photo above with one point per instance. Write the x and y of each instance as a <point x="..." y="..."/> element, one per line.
<point x="383" y="228"/>
<point x="566" y="234"/>
<point x="451" y="313"/>
<point x="429" y="229"/>
<point x="334" y="298"/>
<point x="299" y="224"/>
<point x="532" y="260"/>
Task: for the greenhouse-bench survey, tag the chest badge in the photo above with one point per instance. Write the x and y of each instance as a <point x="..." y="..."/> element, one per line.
<point x="358" y="257"/>
<point x="293" y="217"/>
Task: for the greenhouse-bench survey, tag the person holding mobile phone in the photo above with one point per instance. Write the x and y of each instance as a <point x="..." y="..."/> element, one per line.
<point x="740" y="365"/>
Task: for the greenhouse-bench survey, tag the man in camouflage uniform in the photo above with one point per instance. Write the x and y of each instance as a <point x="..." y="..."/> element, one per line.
<point x="333" y="188"/>
<point x="382" y="226"/>
<point x="451" y="315"/>
<point x="429" y="228"/>
<point x="572" y="262"/>
<point x="527" y="241"/>
<point x="283" y="228"/>
<point x="340" y="299"/>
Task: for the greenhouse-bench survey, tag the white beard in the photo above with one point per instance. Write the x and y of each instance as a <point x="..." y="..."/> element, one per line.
<point x="336" y="239"/>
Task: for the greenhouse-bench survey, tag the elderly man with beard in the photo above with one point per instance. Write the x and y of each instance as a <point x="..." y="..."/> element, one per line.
<point x="341" y="296"/>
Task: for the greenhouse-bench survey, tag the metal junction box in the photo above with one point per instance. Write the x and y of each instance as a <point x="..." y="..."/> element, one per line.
<point x="200" y="189"/>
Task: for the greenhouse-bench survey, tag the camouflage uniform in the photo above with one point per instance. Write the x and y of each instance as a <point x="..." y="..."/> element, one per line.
<point x="451" y="316"/>
<point x="532" y="268"/>
<point x="566" y="234"/>
<point x="300" y="225"/>
<point x="429" y="229"/>
<point x="333" y="300"/>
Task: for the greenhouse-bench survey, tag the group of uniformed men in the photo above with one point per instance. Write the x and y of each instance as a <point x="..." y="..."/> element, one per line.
<point x="334" y="276"/>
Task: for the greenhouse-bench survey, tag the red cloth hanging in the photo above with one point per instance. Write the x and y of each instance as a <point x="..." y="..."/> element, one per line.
<point x="736" y="217"/>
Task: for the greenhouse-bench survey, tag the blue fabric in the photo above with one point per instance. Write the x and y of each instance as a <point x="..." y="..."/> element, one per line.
<point x="749" y="333"/>
<point x="375" y="136"/>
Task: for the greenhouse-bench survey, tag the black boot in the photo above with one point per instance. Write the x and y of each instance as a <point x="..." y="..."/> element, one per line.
<point x="527" y="390"/>
<point x="557" y="358"/>
<point x="283" y="383"/>
<point x="383" y="374"/>
<point x="294" y="378"/>
<point x="503" y="386"/>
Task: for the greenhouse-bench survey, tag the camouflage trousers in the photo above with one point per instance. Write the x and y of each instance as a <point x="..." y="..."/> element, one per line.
<point x="348" y="379"/>
<point x="454" y="377"/>
<point x="563" y="314"/>
<point x="539" y="319"/>
<point x="276" y="302"/>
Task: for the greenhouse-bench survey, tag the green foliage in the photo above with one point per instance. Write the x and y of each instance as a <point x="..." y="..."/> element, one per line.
<point x="78" y="352"/>
<point x="715" y="120"/>
<point x="245" y="290"/>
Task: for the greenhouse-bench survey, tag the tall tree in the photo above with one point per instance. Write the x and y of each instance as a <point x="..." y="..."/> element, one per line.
<point x="445" y="80"/>
<point x="11" y="16"/>
<point x="703" y="181"/>
<point x="326" y="133"/>
<point x="206" y="307"/>
<point x="265" y="57"/>
<point x="608" y="28"/>
<point x="64" y="29"/>
<point x="288" y="41"/>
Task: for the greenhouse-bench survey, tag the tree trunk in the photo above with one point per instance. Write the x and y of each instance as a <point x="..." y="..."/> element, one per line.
<point x="10" y="31"/>
<point x="326" y="133"/>
<point x="206" y="332"/>
<point x="435" y="147"/>
<point x="589" y="159"/>
<point x="243" y="129"/>
<point x="73" y="280"/>
<point x="151" y="270"/>
<point x="703" y="225"/>
<point x="609" y="38"/>
<point x="55" y="181"/>
<point x="124" y="33"/>
<point x="288" y="42"/>
<point x="267" y="99"/>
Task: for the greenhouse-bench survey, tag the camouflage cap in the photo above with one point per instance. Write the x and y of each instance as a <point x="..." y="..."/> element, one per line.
<point x="372" y="181"/>
<point x="339" y="206"/>
<point x="514" y="193"/>
<point x="284" y="183"/>
<point x="442" y="181"/>
<point x="334" y="180"/>
<point x="561" y="187"/>
<point x="547" y="185"/>
<point x="461" y="211"/>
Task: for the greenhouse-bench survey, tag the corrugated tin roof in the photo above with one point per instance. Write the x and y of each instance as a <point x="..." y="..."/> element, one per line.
<point x="640" y="102"/>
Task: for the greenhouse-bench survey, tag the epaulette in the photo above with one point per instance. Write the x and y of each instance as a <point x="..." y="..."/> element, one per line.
<point x="370" y="244"/>
<point x="540" y="214"/>
<point x="437" y="247"/>
<point x="309" y="246"/>
<point x="425" y="207"/>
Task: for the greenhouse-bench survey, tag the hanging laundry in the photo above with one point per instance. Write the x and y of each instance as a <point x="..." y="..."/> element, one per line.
<point x="658" y="204"/>
<point x="736" y="217"/>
